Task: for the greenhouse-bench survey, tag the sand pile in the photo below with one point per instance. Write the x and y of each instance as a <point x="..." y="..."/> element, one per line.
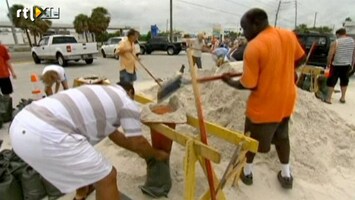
<point x="322" y="157"/>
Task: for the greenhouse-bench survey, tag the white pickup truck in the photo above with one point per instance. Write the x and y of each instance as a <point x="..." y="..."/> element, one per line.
<point x="62" y="48"/>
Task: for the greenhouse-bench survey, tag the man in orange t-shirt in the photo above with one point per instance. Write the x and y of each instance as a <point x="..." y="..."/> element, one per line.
<point x="5" y="70"/>
<point x="270" y="60"/>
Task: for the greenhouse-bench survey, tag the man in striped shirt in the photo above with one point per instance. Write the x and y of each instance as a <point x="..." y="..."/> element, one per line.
<point x="55" y="136"/>
<point x="342" y="57"/>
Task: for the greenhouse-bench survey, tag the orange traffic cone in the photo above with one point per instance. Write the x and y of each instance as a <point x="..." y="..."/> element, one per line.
<point x="36" y="91"/>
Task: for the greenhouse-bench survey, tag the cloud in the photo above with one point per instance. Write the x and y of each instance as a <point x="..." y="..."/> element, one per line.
<point x="199" y="15"/>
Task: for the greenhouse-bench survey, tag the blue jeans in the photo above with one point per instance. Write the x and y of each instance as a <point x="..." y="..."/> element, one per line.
<point x="127" y="77"/>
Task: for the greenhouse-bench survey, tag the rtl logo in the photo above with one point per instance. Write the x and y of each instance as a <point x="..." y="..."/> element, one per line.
<point x="38" y="12"/>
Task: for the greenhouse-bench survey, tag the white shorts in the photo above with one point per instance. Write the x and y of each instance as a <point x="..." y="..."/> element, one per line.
<point x="68" y="164"/>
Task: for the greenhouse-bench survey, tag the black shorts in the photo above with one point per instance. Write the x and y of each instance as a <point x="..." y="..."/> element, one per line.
<point x="267" y="133"/>
<point x="197" y="61"/>
<point x="6" y="86"/>
<point x="337" y="72"/>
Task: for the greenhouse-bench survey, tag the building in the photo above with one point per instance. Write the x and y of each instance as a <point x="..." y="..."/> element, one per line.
<point x="350" y="28"/>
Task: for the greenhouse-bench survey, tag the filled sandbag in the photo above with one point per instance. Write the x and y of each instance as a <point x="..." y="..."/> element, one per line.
<point x="6" y="108"/>
<point x="31" y="183"/>
<point x="52" y="192"/>
<point x="10" y="187"/>
<point x="158" y="182"/>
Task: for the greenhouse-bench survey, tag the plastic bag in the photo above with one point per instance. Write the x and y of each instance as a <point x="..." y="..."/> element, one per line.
<point x="52" y="192"/>
<point x="32" y="186"/>
<point x="10" y="188"/>
<point x="158" y="182"/>
<point x="6" y="108"/>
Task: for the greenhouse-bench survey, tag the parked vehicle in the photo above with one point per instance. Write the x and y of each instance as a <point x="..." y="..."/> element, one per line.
<point x="137" y="48"/>
<point x="320" y="54"/>
<point x="161" y="44"/>
<point x="63" y="48"/>
<point x="109" y="47"/>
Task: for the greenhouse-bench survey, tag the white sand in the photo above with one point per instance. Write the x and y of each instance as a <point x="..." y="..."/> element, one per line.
<point x="322" y="156"/>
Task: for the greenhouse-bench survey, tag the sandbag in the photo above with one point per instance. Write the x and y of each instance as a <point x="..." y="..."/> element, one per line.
<point x="31" y="183"/>
<point x="10" y="187"/>
<point x="32" y="186"/>
<point x="158" y="182"/>
<point x="52" y="192"/>
<point x="6" y="108"/>
<point x="322" y="89"/>
<point x="23" y="103"/>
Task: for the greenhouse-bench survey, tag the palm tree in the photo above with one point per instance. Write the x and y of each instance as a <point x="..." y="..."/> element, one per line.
<point x="99" y="21"/>
<point x="348" y="19"/>
<point x="81" y="25"/>
<point x="20" y="22"/>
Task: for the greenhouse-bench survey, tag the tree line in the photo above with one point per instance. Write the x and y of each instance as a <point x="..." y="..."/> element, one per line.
<point x="98" y="22"/>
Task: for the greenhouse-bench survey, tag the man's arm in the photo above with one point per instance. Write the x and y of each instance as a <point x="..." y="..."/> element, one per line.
<point x="11" y="70"/>
<point x="331" y="53"/>
<point x="122" y="48"/>
<point x="48" y="90"/>
<point x="57" y="85"/>
<point x="235" y="84"/>
<point x="139" y="145"/>
<point x="65" y="85"/>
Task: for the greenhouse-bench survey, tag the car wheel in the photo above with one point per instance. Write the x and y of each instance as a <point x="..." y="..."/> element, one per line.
<point x="170" y="51"/>
<point x="149" y="52"/>
<point x="61" y="60"/>
<point x="115" y="55"/>
<point x="142" y="51"/>
<point x="103" y="53"/>
<point x="89" y="61"/>
<point x="35" y="58"/>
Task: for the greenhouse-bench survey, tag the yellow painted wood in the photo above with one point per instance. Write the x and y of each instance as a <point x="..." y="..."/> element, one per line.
<point x="190" y="168"/>
<point x="214" y="129"/>
<point x="207" y="195"/>
<point x="226" y="134"/>
<point x="205" y="151"/>
<point x="142" y="99"/>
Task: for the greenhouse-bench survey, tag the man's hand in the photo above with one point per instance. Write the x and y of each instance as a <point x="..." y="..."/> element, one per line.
<point x="226" y="77"/>
<point x="14" y="76"/>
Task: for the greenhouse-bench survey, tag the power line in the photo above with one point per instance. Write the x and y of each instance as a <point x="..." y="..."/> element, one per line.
<point x="208" y="8"/>
<point x="237" y="3"/>
<point x="269" y="5"/>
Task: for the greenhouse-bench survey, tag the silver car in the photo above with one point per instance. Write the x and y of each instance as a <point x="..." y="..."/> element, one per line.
<point x="109" y="47"/>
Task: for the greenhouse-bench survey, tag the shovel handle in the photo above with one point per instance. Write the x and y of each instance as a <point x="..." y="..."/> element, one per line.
<point x="218" y="77"/>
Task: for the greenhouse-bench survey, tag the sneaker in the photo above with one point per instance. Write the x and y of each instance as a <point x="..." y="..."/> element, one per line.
<point x="246" y="179"/>
<point x="286" y="182"/>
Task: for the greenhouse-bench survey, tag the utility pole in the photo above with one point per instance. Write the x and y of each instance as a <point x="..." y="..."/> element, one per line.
<point x="295" y="14"/>
<point x="315" y="19"/>
<point x="171" y="20"/>
<point x="12" y="23"/>
<point x="277" y="12"/>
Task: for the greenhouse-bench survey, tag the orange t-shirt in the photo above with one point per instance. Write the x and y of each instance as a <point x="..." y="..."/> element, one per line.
<point x="4" y="58"/>
<point x="269" y="68"/>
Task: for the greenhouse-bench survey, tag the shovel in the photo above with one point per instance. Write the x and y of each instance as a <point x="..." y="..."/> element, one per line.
<point x="174" y="84"/>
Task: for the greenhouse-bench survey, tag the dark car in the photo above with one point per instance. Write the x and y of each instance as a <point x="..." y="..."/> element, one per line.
<point x="161" y="44"/>
<point x="320" y="53"/>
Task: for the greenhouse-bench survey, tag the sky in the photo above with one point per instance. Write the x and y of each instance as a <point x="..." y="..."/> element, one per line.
<point x="198" y="15"/>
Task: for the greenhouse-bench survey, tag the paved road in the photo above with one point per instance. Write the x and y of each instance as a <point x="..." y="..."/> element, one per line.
<point x="161" y="65"/>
